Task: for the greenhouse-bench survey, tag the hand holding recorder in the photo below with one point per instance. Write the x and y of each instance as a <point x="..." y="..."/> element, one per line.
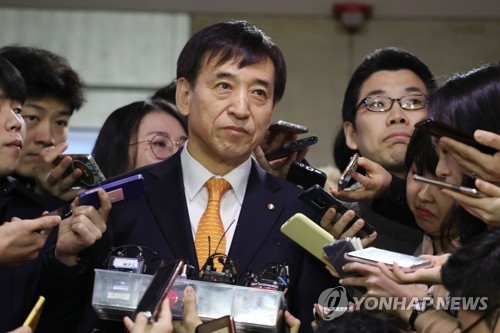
<point x="82" y="229"/>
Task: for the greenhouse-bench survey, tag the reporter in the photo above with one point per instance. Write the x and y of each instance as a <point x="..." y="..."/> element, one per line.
<point x="475" y="163"/>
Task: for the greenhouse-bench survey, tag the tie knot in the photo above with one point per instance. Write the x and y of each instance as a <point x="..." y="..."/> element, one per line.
<point x="216" y="188"/>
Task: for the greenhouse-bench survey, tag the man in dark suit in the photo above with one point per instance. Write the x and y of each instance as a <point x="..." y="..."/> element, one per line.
<point x="230" y="76"/>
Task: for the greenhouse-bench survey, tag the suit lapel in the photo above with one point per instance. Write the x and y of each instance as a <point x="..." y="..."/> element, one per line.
<point x="166" y="199"/>
<point x="259" y="214"/>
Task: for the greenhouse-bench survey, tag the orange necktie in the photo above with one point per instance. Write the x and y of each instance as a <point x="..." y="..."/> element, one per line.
<point x="210" y="229"/>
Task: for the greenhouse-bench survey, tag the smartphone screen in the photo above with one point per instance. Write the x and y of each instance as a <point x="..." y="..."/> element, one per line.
<point x="457" y="188"/>
<point x="160" y="285"/>
<point x="373" y="255"/>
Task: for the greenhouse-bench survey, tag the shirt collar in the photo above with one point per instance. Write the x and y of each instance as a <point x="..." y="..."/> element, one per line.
<point x="195" y="175"/>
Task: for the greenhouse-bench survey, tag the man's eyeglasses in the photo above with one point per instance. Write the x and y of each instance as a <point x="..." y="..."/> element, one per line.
<point x="161" y="146"/>
<point x="384" y="103"/>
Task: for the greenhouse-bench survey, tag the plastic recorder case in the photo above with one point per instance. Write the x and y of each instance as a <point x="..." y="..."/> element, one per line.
<point x="116" y="294"/>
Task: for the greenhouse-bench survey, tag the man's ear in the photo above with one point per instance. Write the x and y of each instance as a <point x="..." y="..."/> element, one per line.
<point x="182" y="96"/>
<point x="350" y="135"/>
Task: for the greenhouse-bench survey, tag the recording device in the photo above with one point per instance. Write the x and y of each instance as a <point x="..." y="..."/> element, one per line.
<point x="345" y="178"/>
<point x="221" y="325"/>
<point x="320" y="201"/>
<point x="91" y="174"/>
<point x="307" y="234"/>
<point x="64" y="212"/>
<point x="208" y="272"/>
<point x="292" y="146"/>
<point x="273" y="277"/>
<point x="128" y="258"/>
<point x="162" y="282"/>
<point x="305" y="176"/>
<point x="285" y="126"/>
<point x="373" y="255"/>
<point x="439" y="129"/>
<point x="118" y="191"/>
<point x="457" y="188"/>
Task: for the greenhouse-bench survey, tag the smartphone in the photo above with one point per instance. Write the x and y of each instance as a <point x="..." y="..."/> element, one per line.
<point x="158" y="289"/>
<point x="221" y="325"/>
<point x="288" y="127"/>
<point x="305" y="176"/>
<point x="457" y="188"/>
<point x="308" y="234"/>
<point x="345" y="178"/>
<point x="91" y="174"/>
<point x="335" y="252"/>
<point x="289" y="147"/>
<point x="439" y="129"/>
<point x="34" y="315"/>
<point x="320" y="201"/>
<point x="64" y="211"/>
<point x="118" y="191"/>
<point x="373" y="255"/>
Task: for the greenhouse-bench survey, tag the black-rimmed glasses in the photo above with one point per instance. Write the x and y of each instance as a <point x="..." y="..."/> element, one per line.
<point x="384" y="103"/>
<point x="161" y="146"/>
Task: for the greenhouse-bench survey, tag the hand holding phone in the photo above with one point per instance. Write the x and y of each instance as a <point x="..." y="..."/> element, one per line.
<point x="373" y="255"/>
<point x="439" y="129"/>
<point x="158" y="289"/>
<point x="91" y="174"/>
<point x="118" y="191"/>
<point x="287" y="127"/>
<point x="345" y="178"/>
<point x="457" y="188"/>
<point x="292" y="146"/>
<point x="320" y="201"/>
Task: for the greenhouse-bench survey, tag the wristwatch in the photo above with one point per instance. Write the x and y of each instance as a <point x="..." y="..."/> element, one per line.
<point x="420" y="306"/>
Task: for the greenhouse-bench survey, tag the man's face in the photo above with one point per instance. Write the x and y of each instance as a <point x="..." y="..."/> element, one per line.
<point x="229" y="110"/>
<point x="383" y="136"/>
<point x="47" y="122"/>
<point x="12" y="132"/>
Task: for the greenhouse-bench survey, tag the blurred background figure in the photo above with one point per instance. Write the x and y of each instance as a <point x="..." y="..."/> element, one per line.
<point x="139" y="134"/>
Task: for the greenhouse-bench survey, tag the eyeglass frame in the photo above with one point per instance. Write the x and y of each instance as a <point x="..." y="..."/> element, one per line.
<point x="177" y="144"/>
<point x="366" y="99"/>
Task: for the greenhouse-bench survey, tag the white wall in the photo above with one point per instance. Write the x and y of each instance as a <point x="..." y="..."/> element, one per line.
<point x="121" y="56"/>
